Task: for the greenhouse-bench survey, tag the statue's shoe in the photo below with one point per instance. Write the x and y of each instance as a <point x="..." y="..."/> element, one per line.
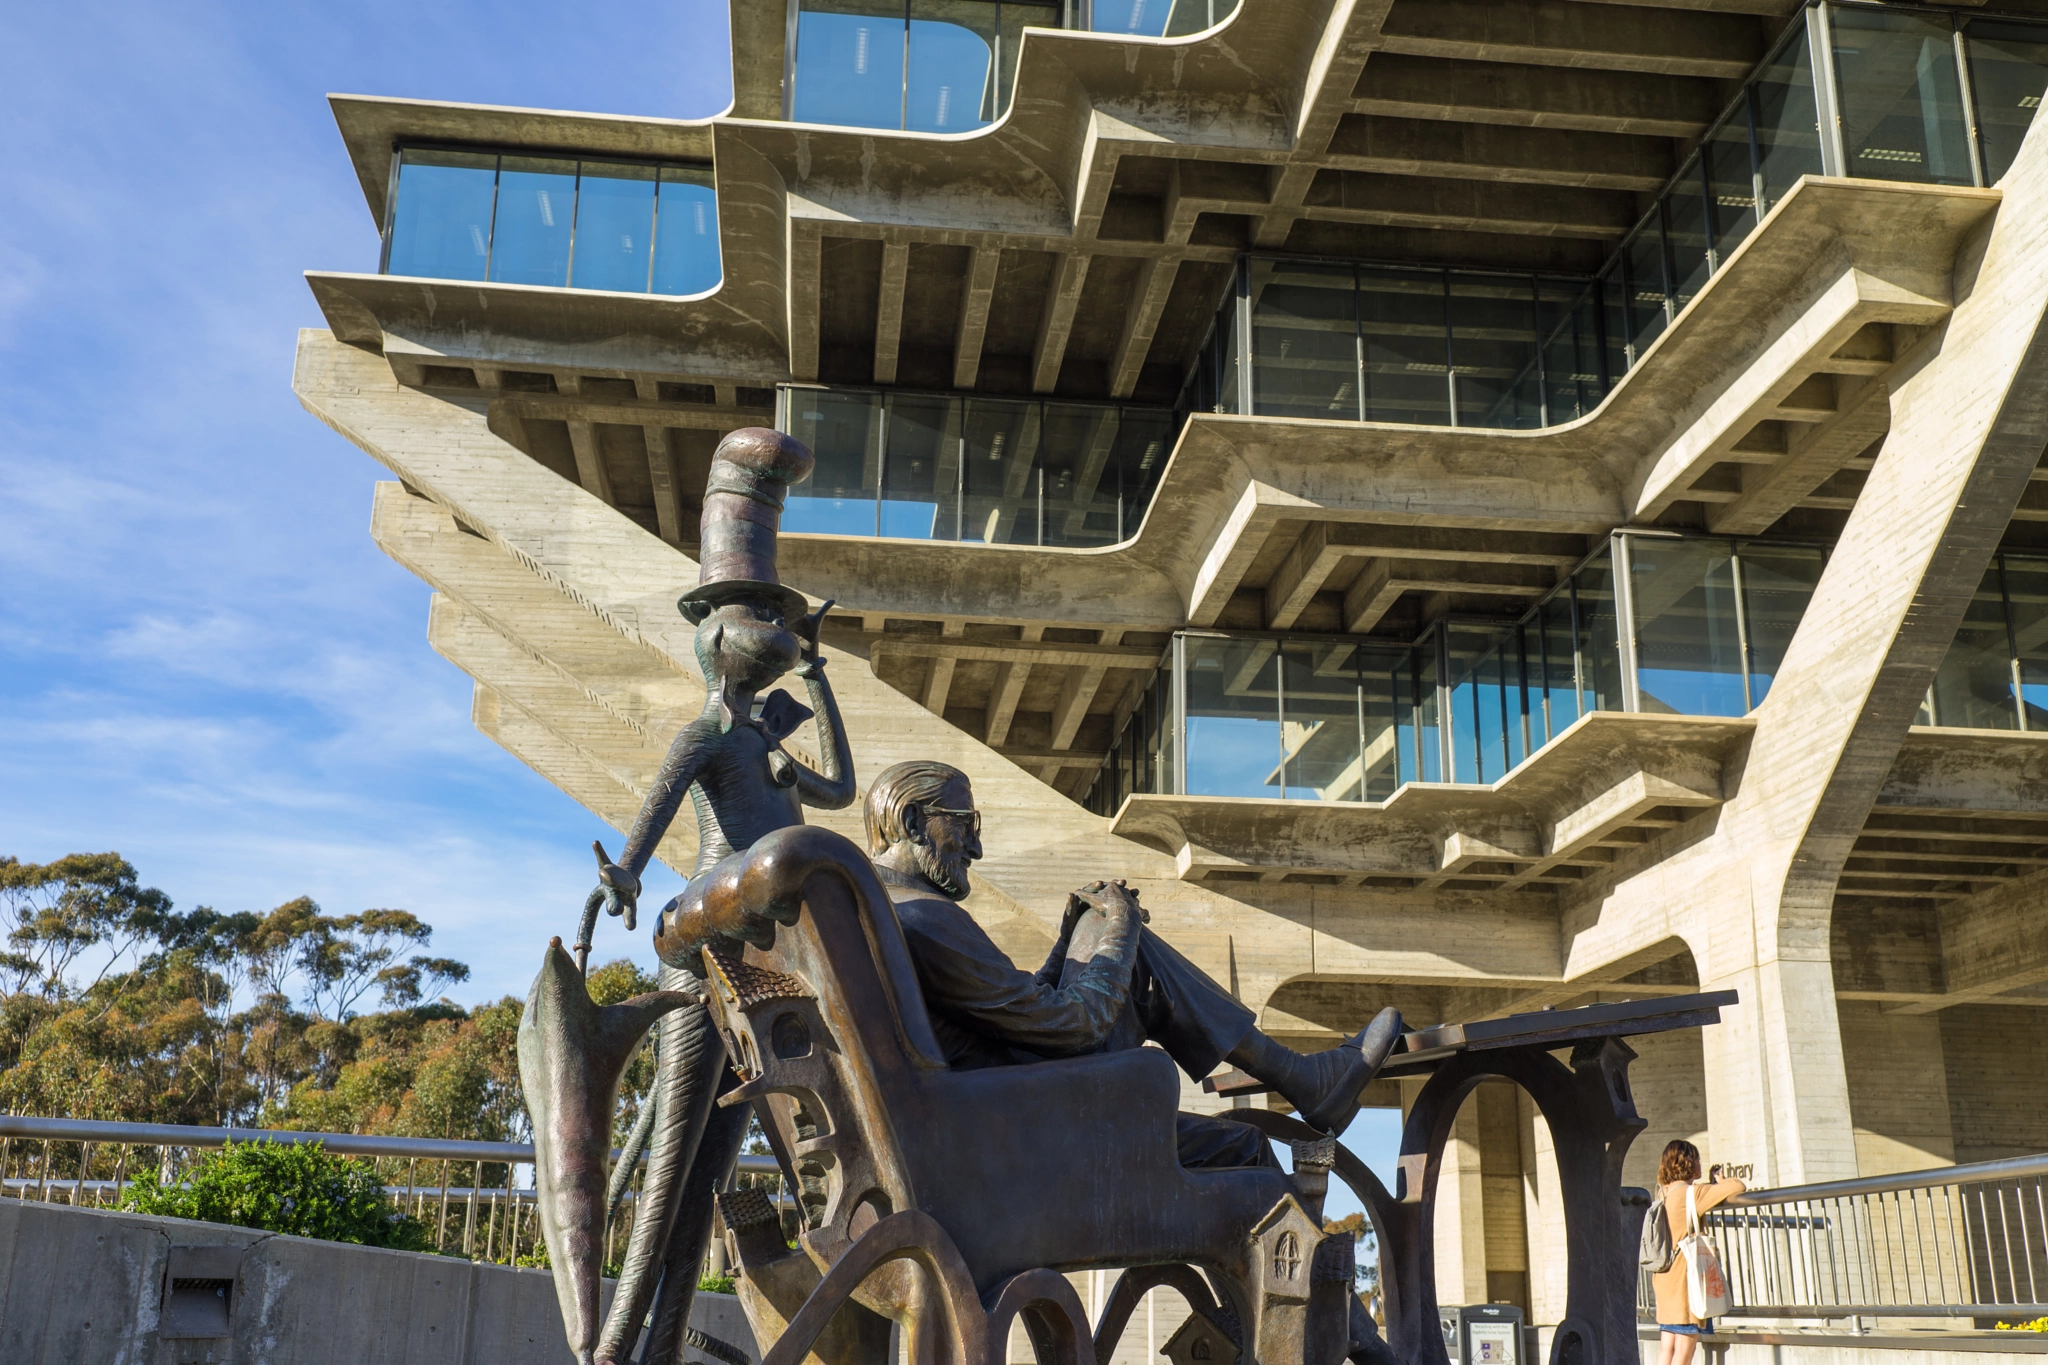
<point x="1342" y="1072"/>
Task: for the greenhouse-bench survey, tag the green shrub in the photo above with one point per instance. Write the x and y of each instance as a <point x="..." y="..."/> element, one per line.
<point x="2037" y="1325"/>
<point x="715" y="1284"/>
<point x="297" y="1188"/>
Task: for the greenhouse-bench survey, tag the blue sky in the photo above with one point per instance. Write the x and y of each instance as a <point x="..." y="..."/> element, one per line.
<point x="204" y="662"/>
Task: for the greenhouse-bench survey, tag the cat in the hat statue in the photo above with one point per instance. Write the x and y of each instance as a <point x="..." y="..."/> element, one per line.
<point x="730" y="762"/>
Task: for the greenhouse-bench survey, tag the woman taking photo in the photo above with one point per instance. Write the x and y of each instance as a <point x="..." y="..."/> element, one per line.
<point x="1677" y="1173"/>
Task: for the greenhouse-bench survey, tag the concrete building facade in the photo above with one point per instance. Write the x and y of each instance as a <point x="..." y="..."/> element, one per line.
<point x="1475" y="505"/>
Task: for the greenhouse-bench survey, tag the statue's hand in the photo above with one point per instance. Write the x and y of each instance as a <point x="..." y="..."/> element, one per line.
<point x="1111" y="898"/>
<point x="806" y="631"/>
<point x="618" y="889"/>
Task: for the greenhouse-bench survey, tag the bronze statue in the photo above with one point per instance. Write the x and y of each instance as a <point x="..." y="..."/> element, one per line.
<point x="1109" y="982"/>
<point x="730" y="762"/>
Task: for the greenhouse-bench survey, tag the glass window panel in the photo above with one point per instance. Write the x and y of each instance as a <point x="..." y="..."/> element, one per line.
<point x="921" y="469"/>
<point x="1426" y="743"/>
<point x="614" y="227"/>
<point x="1015" y="18"/>
<point x="1686" y="229"/>
<point x="1380" y="695"/>
<point x="1478" y="741"/>
<point x="1731" y="181"/>
<point x="1535" y="720"/>
<point x="2008" y="76"/>
<point x="536" y="210"/>
<point x="849" y="64"/>
<point x="1304" y="340"/>
<point x="1643" y="255"/>
<point x="1192" y="16"/>
<point x="1139" y="18"/>
<point x="2026" y="589"/>
<point x="1558" y="679"/>
<point x="950" y="87"/>
<point x="1401" y="317"/>
<point x="1777" y="583"/>
<point x="441" y="218"/>
<point x="1319" y="722"/>
<point x="1229" y="392"/>
<point x="1571" y="352"/>
<point x="1001" y="484"/>
<point x="1787" y="119"/>
<point x="1902" y="103"/>
<point x="1233" y="720"/>
<point x="1688" y="649"/>
<point x="1613" y="287"/>
<point x="1078" y="458"/>
<point x="686" y="257"/>
<point x="1973" y="687"/>
<point x="1599" y="638"/>
<point x="844" y="433"/>
<point x="1144" y="443"/>
<point x="1493" y="345"/>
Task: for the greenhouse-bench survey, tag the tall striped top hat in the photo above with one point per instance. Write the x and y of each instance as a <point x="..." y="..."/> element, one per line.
<point x="751" y="472"/>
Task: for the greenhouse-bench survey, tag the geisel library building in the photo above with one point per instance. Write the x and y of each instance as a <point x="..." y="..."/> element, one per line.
<point x="1473" y="505"/>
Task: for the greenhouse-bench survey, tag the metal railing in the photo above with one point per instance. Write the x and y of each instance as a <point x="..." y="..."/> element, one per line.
<point x="479" y="1207"/>
<point x="1962" y="1242"/>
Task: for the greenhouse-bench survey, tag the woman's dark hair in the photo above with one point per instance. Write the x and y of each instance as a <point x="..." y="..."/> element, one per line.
<point x="1681" y="1161"/>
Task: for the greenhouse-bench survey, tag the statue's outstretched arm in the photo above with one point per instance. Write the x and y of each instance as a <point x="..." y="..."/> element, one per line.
<point x="618" y="888"/>
<point x="832" y="789"/>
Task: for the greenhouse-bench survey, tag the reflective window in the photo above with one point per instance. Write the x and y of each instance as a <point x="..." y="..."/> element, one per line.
<point x="1157" y="18"/>
<point x="536" y="210"/>
<point x="1777" y="583"/>
<point x="1973" y="688"/>
<point x="1405" y="348"/>
<point x="614" y="227"/>
<point x="929" y="66"/>
<point x="992" y="470"/>
<point x="1493" y="349"/>
<point x="2008" y="75"/>
<point x="1599" y="635"/>
<point x="1571" y="353"/>
<point x="1731" y="182"/>
<point x="1689" y="232"/>
<point x="441" y="215"/>
<point x="1643" y="258"/>
<point x="1787" y="120"/>
<point x="1234" y="738"/>
<point x="686" y="258"/>
<point x="1902" y="102"/>
<point x="1319" y="722"/>
<point x="1304" y="340"/>
<point x="2026" y="593"/>
<point x="624" y="226"/>
<point x="1688" y="645"/>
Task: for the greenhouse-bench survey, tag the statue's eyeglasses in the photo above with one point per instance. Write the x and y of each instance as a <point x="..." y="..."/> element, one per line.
<point x="973" y="817"/>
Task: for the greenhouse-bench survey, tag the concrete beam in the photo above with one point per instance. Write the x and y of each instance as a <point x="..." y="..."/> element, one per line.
<point x="1667" y="42"/>
<point x="976" y="293"/>
<point x="1023" y="652"/>
<point x="590" y="470"/>
<point x="1141" y="322"/>
<point x="1466" y="205"/>
<point x="1003" y="695"/>
<point x="1381" y="583"/>
<point x="1077" y="694"/>
<point x="661" y="468"/>
<point x="1991" y="943"/>
<point x="1469" y="151"/>
<point x="889" y="309"/>
<point x="1056" y="321"/>
<point x="1401" y="85"/>
<point x="1814" y="455"/>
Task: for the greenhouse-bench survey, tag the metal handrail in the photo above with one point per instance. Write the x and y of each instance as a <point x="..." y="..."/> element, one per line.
<point x="344" y="1144"/>
<point x="1965" y="1242"/>
<point x="1968" y="1174"/>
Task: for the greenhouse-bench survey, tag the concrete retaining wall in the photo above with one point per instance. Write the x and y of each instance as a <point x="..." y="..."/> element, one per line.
<point x="87" y="1287"/>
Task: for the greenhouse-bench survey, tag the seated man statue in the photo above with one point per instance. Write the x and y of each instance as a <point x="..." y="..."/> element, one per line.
<point x="923" y="833"/>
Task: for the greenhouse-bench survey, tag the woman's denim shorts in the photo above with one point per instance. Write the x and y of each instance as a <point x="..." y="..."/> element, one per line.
<point x="1686" y="1329"/>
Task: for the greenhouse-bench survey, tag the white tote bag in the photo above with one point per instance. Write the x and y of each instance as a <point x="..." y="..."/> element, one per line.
<point x="1706" y="1288"/>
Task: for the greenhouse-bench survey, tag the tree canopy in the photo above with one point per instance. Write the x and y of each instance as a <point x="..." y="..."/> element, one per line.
<point x="114" y="1005"/>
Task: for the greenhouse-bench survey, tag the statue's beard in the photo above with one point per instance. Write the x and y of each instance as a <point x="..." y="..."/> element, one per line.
<point x="946" y="871"/>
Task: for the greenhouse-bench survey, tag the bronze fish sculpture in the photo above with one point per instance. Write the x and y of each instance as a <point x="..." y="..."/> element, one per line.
<point x="572" y="1055"/>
